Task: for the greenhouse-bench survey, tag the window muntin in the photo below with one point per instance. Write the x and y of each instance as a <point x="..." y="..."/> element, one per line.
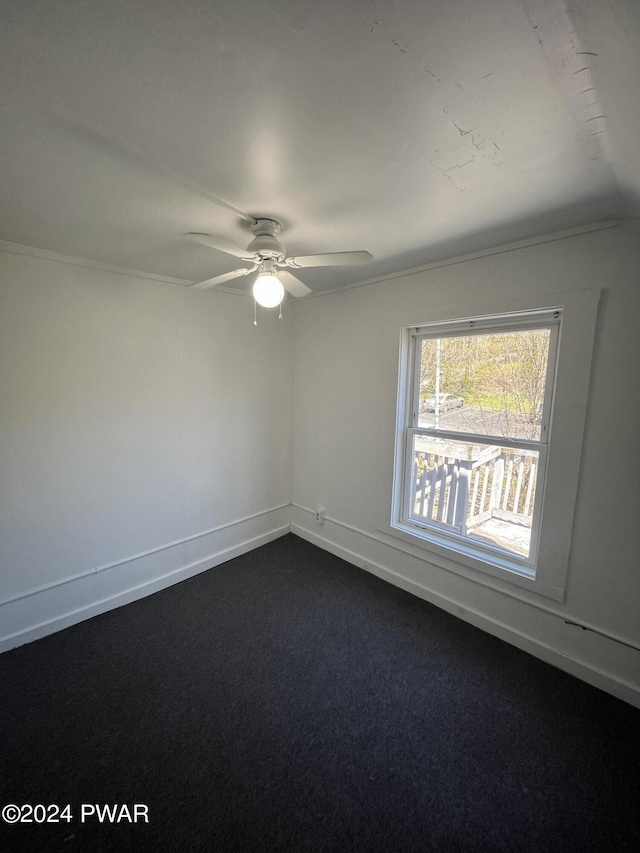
<point x="476" y="433"/>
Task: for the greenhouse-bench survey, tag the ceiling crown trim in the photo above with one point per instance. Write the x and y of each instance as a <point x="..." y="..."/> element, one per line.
<point x="45" y="254"/>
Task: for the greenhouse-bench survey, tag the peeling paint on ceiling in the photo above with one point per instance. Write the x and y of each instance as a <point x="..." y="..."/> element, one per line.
<point x="571" y="62"/>
<point x="416" y="130"/>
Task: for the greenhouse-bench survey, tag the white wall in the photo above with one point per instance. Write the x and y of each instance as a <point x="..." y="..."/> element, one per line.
<point x="135" y="416"/>
<point x="145" y="435"/>
<point x="345" y="352"/>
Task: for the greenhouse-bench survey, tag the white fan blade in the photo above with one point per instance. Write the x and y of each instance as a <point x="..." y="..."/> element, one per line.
<point x="292" y="284"/>
<point x="334" y="259"/>
<point x="221" y="245"/>
<point x="220" y="279"/>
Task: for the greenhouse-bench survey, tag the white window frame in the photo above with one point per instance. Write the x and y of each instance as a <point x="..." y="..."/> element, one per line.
<point x="566" y="392"/>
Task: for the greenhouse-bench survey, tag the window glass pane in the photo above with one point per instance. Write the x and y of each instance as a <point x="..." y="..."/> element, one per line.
<point x="488" y="384"/>
<point x="481" y="491"/>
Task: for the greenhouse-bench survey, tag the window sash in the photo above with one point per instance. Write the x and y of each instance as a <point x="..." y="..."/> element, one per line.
<point x="548" y="319"/>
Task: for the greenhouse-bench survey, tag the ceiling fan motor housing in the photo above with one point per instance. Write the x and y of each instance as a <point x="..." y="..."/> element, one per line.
<point x="265" y="243"/>
<point x="267" y="255"/>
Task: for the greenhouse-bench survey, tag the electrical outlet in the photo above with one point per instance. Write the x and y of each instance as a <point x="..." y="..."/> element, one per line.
<point x="319" y="514"/>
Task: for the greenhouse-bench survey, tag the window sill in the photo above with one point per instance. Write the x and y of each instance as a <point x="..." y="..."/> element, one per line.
<point x="463" y="560"/>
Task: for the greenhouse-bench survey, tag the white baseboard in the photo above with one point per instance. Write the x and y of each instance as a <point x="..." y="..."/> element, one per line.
<point x="58" y="605"/>
<point x="587" y="671"/>
<point x="61" y="604"/>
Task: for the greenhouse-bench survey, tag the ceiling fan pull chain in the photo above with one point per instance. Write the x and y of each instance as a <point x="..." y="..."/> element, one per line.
<point x="255" y="319"/>
<point x="280" y="314"/>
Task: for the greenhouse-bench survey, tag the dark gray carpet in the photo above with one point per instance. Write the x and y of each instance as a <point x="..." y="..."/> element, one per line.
<point x="287" y="701"/>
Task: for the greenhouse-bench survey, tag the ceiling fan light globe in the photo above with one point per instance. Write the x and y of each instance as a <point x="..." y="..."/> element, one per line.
<point x="268" y="291"/>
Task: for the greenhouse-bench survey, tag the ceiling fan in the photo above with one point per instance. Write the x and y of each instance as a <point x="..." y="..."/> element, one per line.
<point x="268" y="256"/>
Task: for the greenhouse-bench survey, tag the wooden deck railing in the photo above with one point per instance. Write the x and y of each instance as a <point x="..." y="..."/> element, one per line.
<point x="463" y="493"/>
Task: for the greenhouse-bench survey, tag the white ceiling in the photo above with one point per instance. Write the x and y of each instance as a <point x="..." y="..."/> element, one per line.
<point x="416" y="129"/>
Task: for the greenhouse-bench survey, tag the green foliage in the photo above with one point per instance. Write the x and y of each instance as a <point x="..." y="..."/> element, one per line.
<point x="502" y="371"/>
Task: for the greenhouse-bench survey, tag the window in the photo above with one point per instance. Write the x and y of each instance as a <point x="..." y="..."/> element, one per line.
<point x="474" y="460"/>
<point x="488" y="437"/>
